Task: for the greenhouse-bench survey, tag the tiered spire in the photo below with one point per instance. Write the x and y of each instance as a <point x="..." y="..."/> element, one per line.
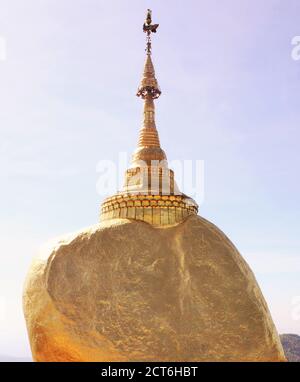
<point x="150" y="192"/>
<point x="149" y="146"/>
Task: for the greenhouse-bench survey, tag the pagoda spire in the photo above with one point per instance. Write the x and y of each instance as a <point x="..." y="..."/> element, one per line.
<point x="148" y="144"/>
<point x="150" y="192"/>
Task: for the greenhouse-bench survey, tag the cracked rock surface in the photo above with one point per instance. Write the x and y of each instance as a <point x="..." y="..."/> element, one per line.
<point x="125" y="291"/>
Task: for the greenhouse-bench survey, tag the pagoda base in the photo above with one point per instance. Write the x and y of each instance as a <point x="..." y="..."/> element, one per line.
<point x="158" y="210"/>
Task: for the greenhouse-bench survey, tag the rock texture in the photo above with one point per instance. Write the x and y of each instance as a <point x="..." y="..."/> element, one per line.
<point x="291" y="346"/>
<point x="126" y="291"/>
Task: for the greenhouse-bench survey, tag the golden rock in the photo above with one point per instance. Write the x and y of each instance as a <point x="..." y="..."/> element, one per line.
<point x="126" y="291"/>
<point x="152" y="281"/>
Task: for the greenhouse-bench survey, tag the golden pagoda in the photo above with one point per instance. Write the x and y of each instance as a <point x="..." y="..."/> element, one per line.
<point x="150" y="192"/>
<point x="152" y="281"/>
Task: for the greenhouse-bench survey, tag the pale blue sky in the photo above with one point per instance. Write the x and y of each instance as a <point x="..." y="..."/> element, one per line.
<point x="230" y="98"/>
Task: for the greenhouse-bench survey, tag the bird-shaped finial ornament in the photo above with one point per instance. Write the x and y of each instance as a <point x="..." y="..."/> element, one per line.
<point x="148" y="27"/>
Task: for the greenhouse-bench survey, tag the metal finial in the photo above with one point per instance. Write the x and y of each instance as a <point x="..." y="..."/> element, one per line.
<point x="149" y="87"/>
<point x="149" y="28"/>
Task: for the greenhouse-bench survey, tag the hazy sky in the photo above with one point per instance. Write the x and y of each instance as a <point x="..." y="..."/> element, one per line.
<point x="230" y="98"/>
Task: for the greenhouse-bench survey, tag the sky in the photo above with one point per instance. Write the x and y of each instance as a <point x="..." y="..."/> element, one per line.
<point x="69" y="71"/>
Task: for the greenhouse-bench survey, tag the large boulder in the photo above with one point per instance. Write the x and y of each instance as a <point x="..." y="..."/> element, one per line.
<point x="126" y="291"/>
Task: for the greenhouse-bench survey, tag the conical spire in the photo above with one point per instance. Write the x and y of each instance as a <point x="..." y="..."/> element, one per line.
<point x="148" y="149"/>
<point x="149" y="145"/>
<point x="150" y="192"/>
<point x="149" y="84"/>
